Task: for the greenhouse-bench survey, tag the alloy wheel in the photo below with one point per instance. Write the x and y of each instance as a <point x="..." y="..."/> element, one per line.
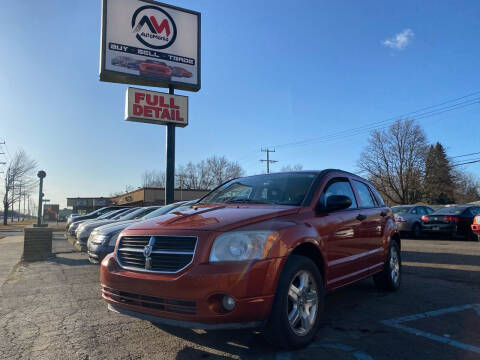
<point x="302" y="303"/>
<point x="394" y="265"/>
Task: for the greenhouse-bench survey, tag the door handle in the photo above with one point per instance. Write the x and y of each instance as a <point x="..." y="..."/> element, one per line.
<point x="361" y="217"/>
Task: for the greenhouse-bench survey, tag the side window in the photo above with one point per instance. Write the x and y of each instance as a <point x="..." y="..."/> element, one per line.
<point x="377" y="195"/>
<point x="365" y="197"/>
<point x="338" y="186"/>
<point x="415" y="211"/>
<point x="421" y="210"/>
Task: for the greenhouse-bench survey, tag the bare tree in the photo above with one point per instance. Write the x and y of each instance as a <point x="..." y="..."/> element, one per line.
<point x="208" y="173"/>
<point x="20" y="174"/>
<point x="466" y="187"/>
<point x="394" y="161"/>
<point x="296" y="167"/>
<point x="153" y="178"/>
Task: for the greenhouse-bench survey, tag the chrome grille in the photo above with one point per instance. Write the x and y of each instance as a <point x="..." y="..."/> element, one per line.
<point x="156" y="253"/>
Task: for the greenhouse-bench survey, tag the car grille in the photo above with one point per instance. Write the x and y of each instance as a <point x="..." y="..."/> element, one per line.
<point x="167" y="254"/>
<point x="151" y="302"/>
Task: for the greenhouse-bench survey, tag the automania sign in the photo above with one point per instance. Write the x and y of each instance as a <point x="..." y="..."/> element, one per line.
<point x="155" y="107"/>
<point x="150" y="43"/>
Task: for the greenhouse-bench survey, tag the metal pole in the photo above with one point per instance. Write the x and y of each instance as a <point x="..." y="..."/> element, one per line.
<point x="19" y="201"/>
<point x="268" y="162"/>
<point x="170" y="166"/>
<point x="40" y="202"/>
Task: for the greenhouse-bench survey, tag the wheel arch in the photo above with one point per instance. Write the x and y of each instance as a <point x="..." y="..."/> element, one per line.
<point x="311" y="251"/>
<point x="396" y="237"/>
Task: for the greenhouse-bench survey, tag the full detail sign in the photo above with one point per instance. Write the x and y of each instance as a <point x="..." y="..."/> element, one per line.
<point x="156" y="107"/>
<point x="149" y="43"/>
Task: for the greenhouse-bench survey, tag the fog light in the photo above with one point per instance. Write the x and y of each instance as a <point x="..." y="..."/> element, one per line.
<point x="228" y="303"/>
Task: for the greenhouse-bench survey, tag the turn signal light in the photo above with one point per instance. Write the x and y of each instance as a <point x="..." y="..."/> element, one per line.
<point x="425" y="218"/>
<point x="451" y="218"/>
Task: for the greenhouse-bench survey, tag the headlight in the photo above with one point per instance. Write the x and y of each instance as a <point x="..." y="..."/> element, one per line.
<point x="99" y="239"/>
<point x="242" y="245"/>
<point x="113" y="240"/>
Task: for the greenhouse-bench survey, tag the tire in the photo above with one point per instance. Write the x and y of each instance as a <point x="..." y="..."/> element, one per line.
<point x="390" y="278"/>
<point x="310" y="301"/>
<point x="416" y="231"/>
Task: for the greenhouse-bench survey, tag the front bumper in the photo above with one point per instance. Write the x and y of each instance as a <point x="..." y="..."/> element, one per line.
<point x="97" y="253"/>
<point x="185" y="324"/>
<point x="194" y="295"/>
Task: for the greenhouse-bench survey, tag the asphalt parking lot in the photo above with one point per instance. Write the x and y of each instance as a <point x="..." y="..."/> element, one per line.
<point x="53" y="309"/>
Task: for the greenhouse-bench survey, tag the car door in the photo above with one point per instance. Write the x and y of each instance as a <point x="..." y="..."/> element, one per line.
<point x="371" y="223"/>
<point x="339" y="231"/>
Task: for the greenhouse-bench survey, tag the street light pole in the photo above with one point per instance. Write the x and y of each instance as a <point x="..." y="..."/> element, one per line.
<point x="41" y="174"/>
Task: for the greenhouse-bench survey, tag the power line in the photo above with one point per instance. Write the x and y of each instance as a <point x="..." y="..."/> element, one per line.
<point x="468" y="162"/>
<point x="268" y="161"/>
<point x="475" y="153"/>
<point x="367" y="128"/>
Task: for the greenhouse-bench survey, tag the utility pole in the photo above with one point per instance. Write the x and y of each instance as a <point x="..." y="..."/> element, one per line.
<point x="268" y="161"/>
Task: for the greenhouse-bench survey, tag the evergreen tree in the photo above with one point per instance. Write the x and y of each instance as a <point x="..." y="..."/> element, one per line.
<point x="439" y="182"/>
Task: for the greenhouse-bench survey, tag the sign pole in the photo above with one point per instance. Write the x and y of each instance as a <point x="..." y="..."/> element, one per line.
<point x="170" y="168"/>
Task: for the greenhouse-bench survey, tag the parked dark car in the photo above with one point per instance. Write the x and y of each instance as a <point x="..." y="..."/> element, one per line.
<point x="451" y="221"/>
<point x="93" y="215"/>
<point x="108" y="215"/>
<point x="259" y="251"/>
<point x="102" y="240"/>
<point x="408" y="218"/>
<point x="83" y="231"/>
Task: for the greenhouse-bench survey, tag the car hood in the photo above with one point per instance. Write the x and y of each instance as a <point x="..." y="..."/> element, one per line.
<point x="113" y="228"/>
<point x="95" y="224"/>
<point x="214" y="217"/>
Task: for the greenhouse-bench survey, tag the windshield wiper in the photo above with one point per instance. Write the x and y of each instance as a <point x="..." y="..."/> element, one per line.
<point x="246" y="201"/>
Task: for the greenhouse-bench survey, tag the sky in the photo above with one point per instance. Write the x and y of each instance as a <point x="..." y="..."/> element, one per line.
<point x="273" y="73"/>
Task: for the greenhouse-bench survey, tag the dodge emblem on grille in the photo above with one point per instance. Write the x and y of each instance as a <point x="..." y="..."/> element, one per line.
<point x="147" y="251"/>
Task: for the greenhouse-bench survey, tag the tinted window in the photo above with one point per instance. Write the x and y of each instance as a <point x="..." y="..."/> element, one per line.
<point x="415" y="211"/>
<point x="452" y="210"/>
<point x="400" y="209"/>
<point x="338" y="187"/>
<point x="377" y="195"/>
<point x="429" y="210"/>
<point x="421" y="211"/>
<point x="365" y="197"/>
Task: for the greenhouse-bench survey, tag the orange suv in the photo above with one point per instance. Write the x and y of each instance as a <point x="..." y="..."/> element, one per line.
<point x="259" y="251"/>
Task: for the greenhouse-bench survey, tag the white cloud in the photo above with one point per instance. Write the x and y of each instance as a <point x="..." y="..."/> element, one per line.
<point x="399" y="41"/>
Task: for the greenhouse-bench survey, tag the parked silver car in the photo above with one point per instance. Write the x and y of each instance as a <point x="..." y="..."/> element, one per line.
<point x="408" y="218"/>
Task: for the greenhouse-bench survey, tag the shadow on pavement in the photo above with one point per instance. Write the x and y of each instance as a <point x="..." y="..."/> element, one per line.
<point x="240" y="343"/>
<point x="441" y="258"/>
<point x="70" y="262"/>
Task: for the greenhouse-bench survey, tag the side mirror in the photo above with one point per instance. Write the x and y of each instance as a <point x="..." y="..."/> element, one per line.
<point x="338" y="202"/>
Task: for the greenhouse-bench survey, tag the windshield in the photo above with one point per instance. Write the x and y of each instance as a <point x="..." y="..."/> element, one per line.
<point x="400" y="209"/>
<point x="163" y="210"/>
<point x="110" y="214"/>
<point x="136" y="213"/>
<point x="453" y="210"/>
<point x="282" y="189"/>
<point x="123" y="213"/>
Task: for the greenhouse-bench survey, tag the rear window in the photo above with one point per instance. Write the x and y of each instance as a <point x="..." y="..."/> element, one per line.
<point x="453" y="210"/>
<point x="400" y="209"/>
